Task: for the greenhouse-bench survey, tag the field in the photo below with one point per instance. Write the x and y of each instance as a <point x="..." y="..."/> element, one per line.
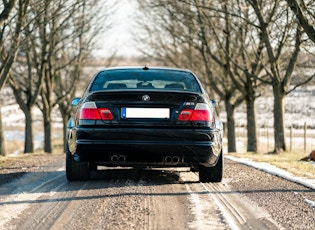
<point x="299" y="122"/>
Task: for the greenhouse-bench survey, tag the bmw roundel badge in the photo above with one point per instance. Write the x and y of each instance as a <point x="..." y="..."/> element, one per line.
<point x="145" y="98"/>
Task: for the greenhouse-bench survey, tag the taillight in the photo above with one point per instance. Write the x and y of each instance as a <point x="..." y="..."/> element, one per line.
<point x="89" y="111"/>
<point x="201" y="112"/>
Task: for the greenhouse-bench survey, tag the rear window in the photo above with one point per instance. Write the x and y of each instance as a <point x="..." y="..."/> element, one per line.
<point x="150" y="79"/>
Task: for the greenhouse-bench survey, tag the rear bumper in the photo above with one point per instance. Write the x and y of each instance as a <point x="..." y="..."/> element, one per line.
<point x="147" y="147"/>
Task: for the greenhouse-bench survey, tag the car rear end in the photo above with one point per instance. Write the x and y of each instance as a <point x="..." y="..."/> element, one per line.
<point x="145" y="117"/>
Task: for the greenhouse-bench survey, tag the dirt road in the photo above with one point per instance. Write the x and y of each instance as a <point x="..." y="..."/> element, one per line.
<point x="118" y="198"/>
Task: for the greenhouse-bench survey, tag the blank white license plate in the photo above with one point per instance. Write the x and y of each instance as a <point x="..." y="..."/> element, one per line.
<point x="145" y="113"/>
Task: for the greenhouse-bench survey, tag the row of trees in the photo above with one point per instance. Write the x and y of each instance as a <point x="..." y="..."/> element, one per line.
<point x="241" y="46"/>
<point x="43" y="47"/>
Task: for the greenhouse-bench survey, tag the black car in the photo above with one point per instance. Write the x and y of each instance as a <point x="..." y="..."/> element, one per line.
<point x="144" y="117"/>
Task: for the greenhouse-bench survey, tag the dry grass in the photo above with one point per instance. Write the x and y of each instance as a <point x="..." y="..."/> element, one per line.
<point x="13" y="146"/>
<point x="16" y="147"/>
<point x="6" y="161"/>
<point x="288" y="161"/>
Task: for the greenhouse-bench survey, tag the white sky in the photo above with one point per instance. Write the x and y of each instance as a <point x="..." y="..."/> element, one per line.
<point x="120" y="36"/>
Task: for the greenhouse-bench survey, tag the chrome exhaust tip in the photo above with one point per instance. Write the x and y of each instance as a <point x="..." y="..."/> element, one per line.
<point x="175" y="160"/>
<point x="168" y="159"/>
<point x="172" y="160"/>
<point x="122" y="158"/>
<point x="118" y="158"/>
<point x="114" y="158"/>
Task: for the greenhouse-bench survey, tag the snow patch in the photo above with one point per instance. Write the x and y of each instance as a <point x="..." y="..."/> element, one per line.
<point x="310" y="203"/>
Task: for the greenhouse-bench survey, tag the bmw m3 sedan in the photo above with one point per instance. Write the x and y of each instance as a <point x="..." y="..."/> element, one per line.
<point x="144" y="117"/>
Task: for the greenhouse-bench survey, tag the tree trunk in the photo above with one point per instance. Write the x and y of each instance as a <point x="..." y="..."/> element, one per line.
<point x="251" y="124"/>
<point x="29" y="138"/>
<point x="47" y="134"/>
<point x="65" y="130"/>
<point x="279" y="129"/>
<point x="230" y="127"/>
<point x="2" y="146"/>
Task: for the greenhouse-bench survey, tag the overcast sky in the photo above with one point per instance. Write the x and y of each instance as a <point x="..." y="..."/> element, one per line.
<point x="121" y="36"/>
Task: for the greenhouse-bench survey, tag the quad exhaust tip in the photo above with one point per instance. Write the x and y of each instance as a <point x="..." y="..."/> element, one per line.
<point x="118" y="158"/>
<point x="172" y="160"/>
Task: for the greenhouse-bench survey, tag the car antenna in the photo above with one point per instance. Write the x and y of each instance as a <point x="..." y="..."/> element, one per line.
<point x="145" y="67"/>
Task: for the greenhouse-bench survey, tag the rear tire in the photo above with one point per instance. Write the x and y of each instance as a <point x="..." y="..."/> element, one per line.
<point x="212" y="174"/>
<point x="76" y="170"/>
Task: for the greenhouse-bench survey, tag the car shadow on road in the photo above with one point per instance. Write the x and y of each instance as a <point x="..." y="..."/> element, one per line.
<point x="149" y="176"/>
<point x="52" y="186"/>
<point x="109" y="177"/>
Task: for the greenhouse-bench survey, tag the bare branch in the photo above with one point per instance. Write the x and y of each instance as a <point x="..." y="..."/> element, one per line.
<point x="296" y="7"/>
<point x="7" y="8"/>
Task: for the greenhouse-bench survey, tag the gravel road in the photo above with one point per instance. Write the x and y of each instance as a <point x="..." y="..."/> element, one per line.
<point x="34" y="194"/>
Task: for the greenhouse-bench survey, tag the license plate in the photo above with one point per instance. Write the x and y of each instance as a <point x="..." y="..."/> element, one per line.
<point x="163" y="113"/>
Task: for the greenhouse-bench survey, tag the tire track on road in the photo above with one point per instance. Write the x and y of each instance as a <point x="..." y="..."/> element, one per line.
<point x="27" y="190"/>
<point x="230" y="209"/>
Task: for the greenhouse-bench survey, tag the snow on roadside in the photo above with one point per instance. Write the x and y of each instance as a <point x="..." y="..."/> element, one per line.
<point x="309" y="202"/>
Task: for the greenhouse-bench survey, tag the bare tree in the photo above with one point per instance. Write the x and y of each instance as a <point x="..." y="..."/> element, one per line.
<point x="71" y="39"/>
<point x="26" y="78"/>
<point x="57" y="30"/>
<point x="216" y="49"/>
<point x="57" y="36"/>
<point x="243" y="54"/>
<point x="282" y="39"/>
<point x="86" y="28"/>
<point x="9" y="43"/>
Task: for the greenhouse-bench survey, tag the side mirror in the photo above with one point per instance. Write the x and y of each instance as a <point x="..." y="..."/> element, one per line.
<point x="214" y="103"/>
<point x="70" y="124"/>
<point x="75" y="101"/>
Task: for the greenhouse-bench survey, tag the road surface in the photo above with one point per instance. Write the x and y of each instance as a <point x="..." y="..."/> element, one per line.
<point x="127" y="198"/>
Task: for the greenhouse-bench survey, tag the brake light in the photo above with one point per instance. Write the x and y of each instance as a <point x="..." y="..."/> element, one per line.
<point x="201" y="112"/>
<point x="89" y="111"/>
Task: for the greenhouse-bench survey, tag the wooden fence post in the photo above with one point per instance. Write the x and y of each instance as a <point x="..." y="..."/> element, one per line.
<point x="267" y="130"/>
<point x="291" y="141"/>
<point x="305" y="127"/>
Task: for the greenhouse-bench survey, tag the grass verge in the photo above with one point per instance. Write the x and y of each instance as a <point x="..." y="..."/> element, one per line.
<point x="288" y="161"/>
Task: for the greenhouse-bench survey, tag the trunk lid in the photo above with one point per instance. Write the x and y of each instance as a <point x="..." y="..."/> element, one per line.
<point x="146" y="108"/>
